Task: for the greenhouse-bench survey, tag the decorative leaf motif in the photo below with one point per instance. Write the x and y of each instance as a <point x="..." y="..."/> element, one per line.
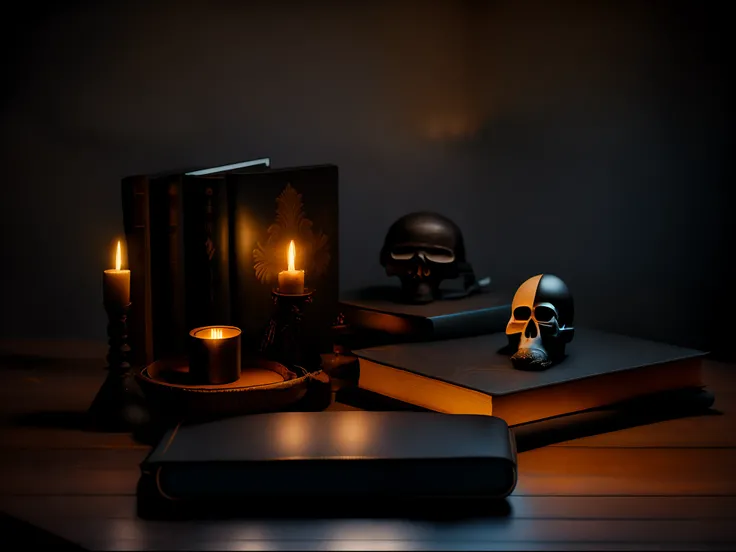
<point x="291" y="223"/>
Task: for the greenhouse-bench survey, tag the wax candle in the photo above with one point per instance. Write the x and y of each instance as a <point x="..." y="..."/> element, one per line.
<point x="214" y="355"/>
<point x="116" y="283"/>
<point x="291" y="281"/>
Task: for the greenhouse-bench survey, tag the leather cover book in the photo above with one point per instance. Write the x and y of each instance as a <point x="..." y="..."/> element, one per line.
<point x="474" y="375"/>
<point x="189" y="253"/>
<point x="349" y="454"/>
<point x="136" y="225"/>
<point x="379" y="310"/>
<point x="206" y="245"/>
<point x="268" y="210"/>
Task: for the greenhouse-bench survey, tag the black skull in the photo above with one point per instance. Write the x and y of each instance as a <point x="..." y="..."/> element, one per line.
<point x="541" y="322"/>
<point x="423" y="249"/>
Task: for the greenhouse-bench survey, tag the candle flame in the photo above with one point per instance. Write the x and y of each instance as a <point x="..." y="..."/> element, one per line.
<point x="291" y="256"/>
<point x="118" y="257"/>
<point x="215" y="333"/>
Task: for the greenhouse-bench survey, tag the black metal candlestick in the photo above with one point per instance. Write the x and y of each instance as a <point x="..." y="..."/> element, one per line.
<point x="117" y="405"/>
<point x="284" y="339"/>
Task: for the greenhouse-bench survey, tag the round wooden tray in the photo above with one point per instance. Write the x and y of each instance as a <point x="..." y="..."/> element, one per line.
<point x="264" y="386"/>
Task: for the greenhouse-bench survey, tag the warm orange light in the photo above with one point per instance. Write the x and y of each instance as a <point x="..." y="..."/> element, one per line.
<point x="118" y="258"/>
<point x="215" y="333"/>
<point x="291" y="256"/>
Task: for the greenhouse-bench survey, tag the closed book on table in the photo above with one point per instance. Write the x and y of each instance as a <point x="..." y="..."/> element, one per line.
<point x="474" y="375"/>
<point x="350" y="454"/>
<point x="372" y="311"/>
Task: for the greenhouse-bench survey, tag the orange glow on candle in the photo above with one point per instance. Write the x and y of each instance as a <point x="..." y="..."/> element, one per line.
<point x="216" y="333"/>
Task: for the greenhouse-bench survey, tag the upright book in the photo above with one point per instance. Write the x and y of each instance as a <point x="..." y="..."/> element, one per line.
<point x="155" y="208"/>
<point x="267" y="211"/>
<point x="474" y="375"/>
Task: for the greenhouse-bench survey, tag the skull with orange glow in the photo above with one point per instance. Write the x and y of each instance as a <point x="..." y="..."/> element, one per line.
<point x="423" y="249"/>
<point x="541" y="323"/>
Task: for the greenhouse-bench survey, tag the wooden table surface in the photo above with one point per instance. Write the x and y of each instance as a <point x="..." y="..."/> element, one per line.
<point x="669" y="485"/>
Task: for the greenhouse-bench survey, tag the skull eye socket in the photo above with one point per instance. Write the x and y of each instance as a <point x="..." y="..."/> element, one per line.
<point x="439" y="255"/>
<point x="433" y="254"/>
<point x="402" y="253"/>
<point x="522" y="313"/>
<point x="544" y="313"/>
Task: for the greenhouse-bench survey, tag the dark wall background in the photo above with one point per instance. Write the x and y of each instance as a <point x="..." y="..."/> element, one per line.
<point x="586" y="139"/>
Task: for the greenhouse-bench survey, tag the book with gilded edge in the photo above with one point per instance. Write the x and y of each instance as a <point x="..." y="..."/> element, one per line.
<point x="474" y="375"/>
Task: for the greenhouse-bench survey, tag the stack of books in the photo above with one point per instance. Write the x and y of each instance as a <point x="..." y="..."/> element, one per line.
<point x="452" y="356"/>
<point x="205" y="246"/>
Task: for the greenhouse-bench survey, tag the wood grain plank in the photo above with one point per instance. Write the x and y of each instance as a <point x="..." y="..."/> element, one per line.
<point x="612" y="491"/>
<point x="46" y="438"/>
<point x="479" y="533"/>
<point x="360" y="545"/>
<point x="521" y="507"/>
<point x="67" y="387"/>
<point x="548" y="471"/>
<point x="631" y="472"/>
<point x="706" y="431"/>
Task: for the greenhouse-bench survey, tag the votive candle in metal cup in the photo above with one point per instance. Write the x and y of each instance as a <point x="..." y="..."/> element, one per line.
<point x="214" y="355"/>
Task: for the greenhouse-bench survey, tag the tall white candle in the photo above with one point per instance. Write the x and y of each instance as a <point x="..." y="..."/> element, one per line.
<point x="116" y="283"/>
<point x="291" y="281"/>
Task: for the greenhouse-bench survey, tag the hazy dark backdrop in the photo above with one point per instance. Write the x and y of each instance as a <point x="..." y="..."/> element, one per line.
<point x="585" y="139"/>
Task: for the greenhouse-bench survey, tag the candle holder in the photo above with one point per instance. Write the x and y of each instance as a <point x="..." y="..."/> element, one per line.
<point x="214" y="355"/>
<point x="117" y="405"/>
<point x="284" y="337"/>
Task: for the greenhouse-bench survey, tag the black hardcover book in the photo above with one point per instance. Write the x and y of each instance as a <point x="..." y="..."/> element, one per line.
<point x="207" y="247"/>
<point x="379" y="310"/>
<point x="474" y="375"/>
<point x="349" y="454"/>
<point x="267" y="211"/>
<point x="136" y="224"/>
<point x="189" y="253"/>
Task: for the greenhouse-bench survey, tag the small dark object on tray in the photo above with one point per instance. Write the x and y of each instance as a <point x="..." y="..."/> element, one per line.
<point x="284" y="338"/>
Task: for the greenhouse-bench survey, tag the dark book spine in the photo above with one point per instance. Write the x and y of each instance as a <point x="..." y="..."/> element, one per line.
<point x="136" y="223"/>
<point x="167" y="269"/>
<point x="206" y="243"/>
<point x="221" y="230"/>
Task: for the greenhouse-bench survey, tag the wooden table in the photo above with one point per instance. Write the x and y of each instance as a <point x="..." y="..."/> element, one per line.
<point x="669" y="485"/>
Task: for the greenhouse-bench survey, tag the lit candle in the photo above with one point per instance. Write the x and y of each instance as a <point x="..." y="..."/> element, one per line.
<point x="214" y="355"/>
<point x="291" y="281"/>
<point x="116" y="283"/>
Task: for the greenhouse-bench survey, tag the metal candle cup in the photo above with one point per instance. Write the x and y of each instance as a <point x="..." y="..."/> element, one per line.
<point x="214" y="354"/>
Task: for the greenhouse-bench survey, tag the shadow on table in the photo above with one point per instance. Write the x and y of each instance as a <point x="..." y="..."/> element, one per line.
<point x="25" y="536"/>
<point x="670" y="405"/>
<point x="52" y="420"/>
<point x="448" y="510"/>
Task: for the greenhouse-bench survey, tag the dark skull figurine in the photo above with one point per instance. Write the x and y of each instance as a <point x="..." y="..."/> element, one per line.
<point x="541" y="322"/>
<point x="423" y="249"/>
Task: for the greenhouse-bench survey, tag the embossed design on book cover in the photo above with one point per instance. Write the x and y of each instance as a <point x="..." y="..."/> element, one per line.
<point x="291" y="223"/>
